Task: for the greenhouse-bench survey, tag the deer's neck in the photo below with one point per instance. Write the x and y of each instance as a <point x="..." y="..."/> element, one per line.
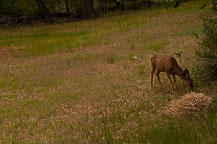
<point x="179" y="72"/>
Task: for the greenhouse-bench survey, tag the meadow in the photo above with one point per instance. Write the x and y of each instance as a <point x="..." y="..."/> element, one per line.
<point x="89" y="81"/>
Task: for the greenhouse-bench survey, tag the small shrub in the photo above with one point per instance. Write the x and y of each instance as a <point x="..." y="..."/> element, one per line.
<point x="132" y="57"/>
<point x="214" y="2"/>
<point x="171" y="4"/>
<point x="124" y="65"/>
<point x="203" y="5"/>
<point x="132" y="46"/>
<point x="156" y="46"/>
<point x="110" y="60"/>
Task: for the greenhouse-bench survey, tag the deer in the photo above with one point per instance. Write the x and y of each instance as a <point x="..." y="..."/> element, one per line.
<point x="168" y="64"/>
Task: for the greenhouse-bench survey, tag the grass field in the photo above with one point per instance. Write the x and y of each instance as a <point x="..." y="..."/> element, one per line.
<point x="89" y="81"/>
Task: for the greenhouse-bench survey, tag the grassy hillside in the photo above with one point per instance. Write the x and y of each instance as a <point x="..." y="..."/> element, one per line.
<point x="89" y="81"/>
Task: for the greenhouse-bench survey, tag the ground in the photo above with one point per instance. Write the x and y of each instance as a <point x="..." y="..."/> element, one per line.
<point x="89" y="81"/>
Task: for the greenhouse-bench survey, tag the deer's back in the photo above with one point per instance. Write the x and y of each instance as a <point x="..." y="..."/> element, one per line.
<point x="164" y="62"/>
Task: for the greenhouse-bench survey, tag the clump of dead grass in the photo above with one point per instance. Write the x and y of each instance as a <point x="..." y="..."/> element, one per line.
<point x="188" y="104"/>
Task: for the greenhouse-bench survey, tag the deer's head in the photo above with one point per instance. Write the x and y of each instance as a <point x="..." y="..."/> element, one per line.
<point x="188" y="80"/>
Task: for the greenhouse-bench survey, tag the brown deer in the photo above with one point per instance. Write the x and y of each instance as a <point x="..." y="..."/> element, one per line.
<point x="168" y="64"/>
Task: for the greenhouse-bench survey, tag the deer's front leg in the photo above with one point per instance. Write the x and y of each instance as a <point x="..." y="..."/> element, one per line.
<point x="174" y="78"/>
<point x="170" y="81"/>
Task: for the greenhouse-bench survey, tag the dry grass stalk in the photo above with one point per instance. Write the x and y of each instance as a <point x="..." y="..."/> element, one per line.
<point x="188" y="104"/>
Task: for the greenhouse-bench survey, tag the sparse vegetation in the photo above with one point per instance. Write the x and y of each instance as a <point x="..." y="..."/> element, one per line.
<point x="89" y="82"/>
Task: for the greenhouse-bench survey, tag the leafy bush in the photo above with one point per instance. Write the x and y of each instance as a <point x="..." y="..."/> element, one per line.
<point x="18" y="7"/>
<point x="214" y="2"/>
<point x="208" y="50"/>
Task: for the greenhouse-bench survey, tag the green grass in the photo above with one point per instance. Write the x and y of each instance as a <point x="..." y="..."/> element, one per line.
<point x="89" y="81"/>
<point x="156" y="46"/>
<point x="191" y="32"/>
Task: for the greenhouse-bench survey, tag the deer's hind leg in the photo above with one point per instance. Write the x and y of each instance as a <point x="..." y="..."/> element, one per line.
<point x="152" y="73"/>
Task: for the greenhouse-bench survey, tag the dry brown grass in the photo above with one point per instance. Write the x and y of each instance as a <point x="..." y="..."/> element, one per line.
<point x="188" y="104"/>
